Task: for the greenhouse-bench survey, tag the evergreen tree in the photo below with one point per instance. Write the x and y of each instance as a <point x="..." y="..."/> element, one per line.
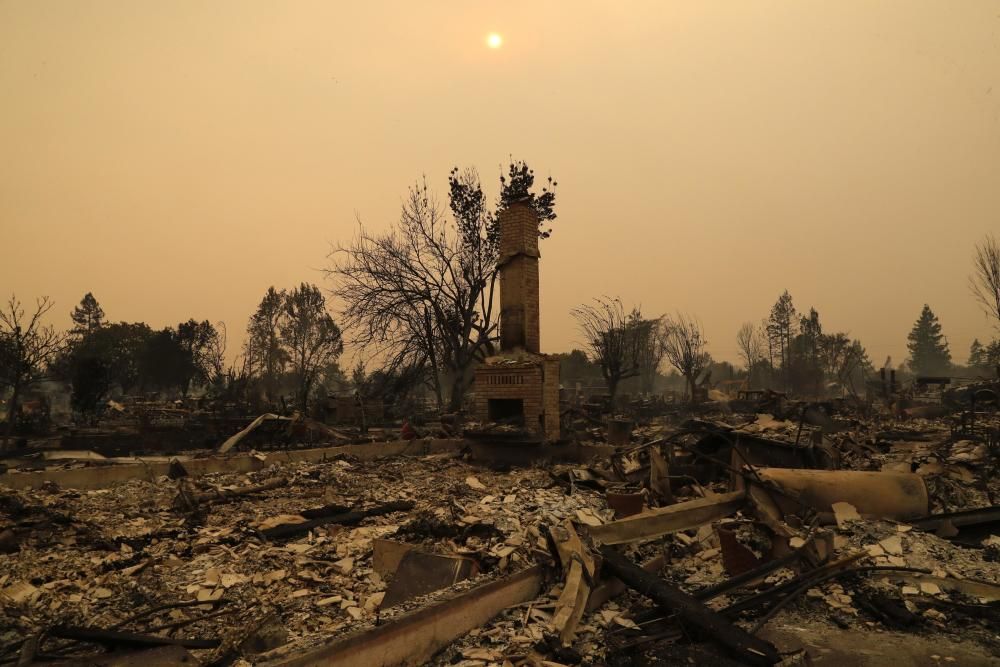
<point x="781" y="331"/>
<point x="977" y="355"/>
<point x="804" y="355"/>
<point x="87" y="316"/>
<point x="929" y="354"/>
<point x="991" y="357"/>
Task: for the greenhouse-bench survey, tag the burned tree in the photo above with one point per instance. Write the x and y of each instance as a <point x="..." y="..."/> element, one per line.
<point x="611" y="337"/>
<point x="751" y="347"/>
<point x="214" y="356"/>
<point x="844" y="360"/>
<point x="27" y="347"/>
<point x="652" y="348"/>
<point x="422" y="295"/>
<point x="985" y="279"/>
<point x="311" y="337"/>
<point x="199" y="343"/>
<point x="685" y="349"/>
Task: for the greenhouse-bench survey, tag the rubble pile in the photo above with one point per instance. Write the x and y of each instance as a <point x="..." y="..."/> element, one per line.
<point x="722" y="540"/>
<point x="98" y="557"/>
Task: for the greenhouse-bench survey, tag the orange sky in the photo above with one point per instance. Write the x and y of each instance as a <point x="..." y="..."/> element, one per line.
<point x="177" y="158"/>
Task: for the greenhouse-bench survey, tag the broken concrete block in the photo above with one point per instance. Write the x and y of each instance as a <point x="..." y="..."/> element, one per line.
<point x="929" y="587"/>
<point x="893" y="545"/>
<point x="844" y="513"/>
<point x="326" y="602"/>
<point x="344" y="565"/>
<point x="19" y="592"/>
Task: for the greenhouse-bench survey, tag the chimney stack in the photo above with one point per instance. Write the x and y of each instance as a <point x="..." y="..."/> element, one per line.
<point x="518" y="265"/>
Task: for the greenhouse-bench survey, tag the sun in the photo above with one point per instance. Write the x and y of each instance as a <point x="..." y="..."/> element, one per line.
<point x="494" y="40"/>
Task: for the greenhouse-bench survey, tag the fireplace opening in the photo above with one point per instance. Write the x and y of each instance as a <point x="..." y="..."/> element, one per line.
<point x="507" y="411"/>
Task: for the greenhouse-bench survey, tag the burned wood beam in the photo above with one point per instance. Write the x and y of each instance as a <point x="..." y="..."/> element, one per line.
<point x="747" y="577"/>
<point x="413" y="638"/>
<point x="982" y="516"/>
<point x="580" y="570"/>
<point x="325" y="510"/>
<point x="614" y="587"/>
<point x="163" y="656"/>
<point x="665" y="520"/>
<point x="789" y="586"/>
<point x="225" y="495"/>
<point x="740" y="643"/>
<point x="164" y="607"/>
<point x="128" y="639"/>
<point x="287" y="530"/>
<point x="842" y="568"/>
<point x="234" y="440"/>
<point x="709" y="592"/>
<point x="29" y="650"/>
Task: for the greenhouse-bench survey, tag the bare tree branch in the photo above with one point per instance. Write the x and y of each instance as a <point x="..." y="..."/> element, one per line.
<point x="985" y="279"/>
<point x="611" y="337"/>
<point x="685" y="349"/>
<point x="26" y="349"/>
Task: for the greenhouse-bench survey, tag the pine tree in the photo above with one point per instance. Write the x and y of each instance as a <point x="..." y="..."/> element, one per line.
<point x="781" y="330"/>
<point x="977" y="355"/>
<point x="929" y="354"/>
<point x="87" y="316"/>
<point x="991" y="356"/>
<point x="804" y="355"/>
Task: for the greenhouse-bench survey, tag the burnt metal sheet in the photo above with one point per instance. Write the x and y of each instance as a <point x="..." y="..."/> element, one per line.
<point x="420" y="573"/>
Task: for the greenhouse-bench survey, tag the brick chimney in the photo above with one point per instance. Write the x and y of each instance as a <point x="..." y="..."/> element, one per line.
<point x="518" y="265"/>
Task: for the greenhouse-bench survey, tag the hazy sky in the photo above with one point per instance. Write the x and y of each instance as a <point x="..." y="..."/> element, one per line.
<point x="176" y="157"/>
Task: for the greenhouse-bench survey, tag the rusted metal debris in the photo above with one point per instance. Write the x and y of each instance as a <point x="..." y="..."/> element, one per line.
<point x="883" y="495"/>
<point x="742" y="645"/>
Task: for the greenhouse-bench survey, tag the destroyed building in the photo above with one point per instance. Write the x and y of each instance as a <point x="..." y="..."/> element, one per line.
<point x="519" y="386"/>
<point x="799" y="537"/>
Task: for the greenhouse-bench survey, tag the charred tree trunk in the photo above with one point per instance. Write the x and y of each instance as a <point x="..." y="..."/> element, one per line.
<point x="11" y="415"/>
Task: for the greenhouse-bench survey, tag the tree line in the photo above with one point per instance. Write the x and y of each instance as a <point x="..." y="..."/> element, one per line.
<point x="786" y="350"/>
<point x="418" y="300"/>
<point x="292" y="344"/>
